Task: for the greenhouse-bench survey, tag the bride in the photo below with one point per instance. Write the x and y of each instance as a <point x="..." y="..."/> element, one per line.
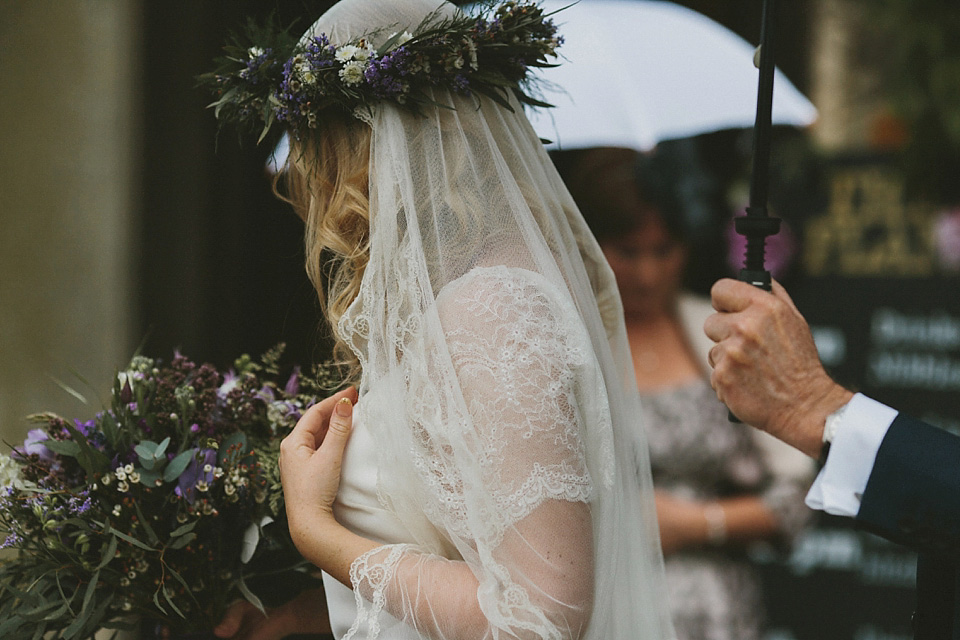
<point x="491" y="479"/>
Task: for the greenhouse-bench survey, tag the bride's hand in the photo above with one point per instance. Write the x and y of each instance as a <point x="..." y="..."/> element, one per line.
<point x="310" y="460"/>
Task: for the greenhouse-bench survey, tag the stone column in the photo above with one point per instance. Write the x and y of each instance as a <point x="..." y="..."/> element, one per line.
<point x="68" y="193"/>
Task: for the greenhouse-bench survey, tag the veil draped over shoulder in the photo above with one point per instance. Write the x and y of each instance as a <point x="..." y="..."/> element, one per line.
<point x="489" y="326"/>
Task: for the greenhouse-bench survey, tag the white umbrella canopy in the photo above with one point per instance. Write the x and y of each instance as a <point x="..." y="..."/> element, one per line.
<point x="636" y="72"/>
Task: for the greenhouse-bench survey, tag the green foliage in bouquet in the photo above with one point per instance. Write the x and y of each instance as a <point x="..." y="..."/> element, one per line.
<point x="165" y="506"/>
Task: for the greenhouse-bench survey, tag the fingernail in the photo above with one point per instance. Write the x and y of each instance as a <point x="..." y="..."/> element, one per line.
<point x="344" y="407"/>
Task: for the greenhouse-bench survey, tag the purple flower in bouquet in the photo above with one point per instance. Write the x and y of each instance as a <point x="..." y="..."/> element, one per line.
<point x="141" y="502"/>
<point x="230" y="381"/>
<point x="293" y="384"/>
<point x="198" y="476"/>
<point x="33" y="445"/>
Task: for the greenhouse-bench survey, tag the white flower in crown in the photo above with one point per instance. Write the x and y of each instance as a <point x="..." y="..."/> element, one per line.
<point x="346" y="53"/>
<point x="255" y="52"/>
<point x="364" y="53"/>
<point x="304" y="70"/>
<point x="352" y="72"/>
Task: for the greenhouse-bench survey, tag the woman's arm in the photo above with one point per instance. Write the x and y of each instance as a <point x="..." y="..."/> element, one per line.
<point x="688" y="524"/>
<point x="548" y="553"/>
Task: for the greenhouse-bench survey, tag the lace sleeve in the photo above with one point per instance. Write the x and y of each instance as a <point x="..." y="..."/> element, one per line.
<point x="508" y="480"/>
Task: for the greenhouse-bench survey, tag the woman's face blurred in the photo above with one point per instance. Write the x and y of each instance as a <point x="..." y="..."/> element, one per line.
<point x="648" y="264"/>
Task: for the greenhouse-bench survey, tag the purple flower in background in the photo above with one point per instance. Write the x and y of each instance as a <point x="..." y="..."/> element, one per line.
<point x="230" y="381"/>
<point x="293" y="384"/>
<point x="946" y="230"/>
<point x="32" y="444"/>
<point x="198" y="476"/>
<point x="266" y="394"/>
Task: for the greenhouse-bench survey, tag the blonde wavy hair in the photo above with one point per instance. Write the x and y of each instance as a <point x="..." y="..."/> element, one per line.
<point x="326" y="179"/>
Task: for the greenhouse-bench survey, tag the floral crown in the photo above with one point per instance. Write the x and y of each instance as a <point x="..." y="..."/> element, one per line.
<point x="267" y="76"/>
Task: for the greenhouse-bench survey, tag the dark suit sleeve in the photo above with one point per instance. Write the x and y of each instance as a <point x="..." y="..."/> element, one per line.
<point x="913" y="494"/>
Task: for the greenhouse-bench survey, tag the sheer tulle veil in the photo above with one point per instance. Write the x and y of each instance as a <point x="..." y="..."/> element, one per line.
<point x="490" y="320"/>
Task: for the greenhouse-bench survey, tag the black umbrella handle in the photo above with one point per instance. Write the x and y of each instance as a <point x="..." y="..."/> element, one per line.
<point x="757" y="224"/>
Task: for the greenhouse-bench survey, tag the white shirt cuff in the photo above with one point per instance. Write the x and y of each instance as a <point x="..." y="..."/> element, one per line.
<point x="840" y="484"/>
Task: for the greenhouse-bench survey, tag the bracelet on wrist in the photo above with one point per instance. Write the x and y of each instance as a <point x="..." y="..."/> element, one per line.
<point x="716" y="524"/>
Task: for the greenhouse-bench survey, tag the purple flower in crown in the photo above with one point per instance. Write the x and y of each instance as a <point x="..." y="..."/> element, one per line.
<point x="257" y="57"/>
<point x="198" y="476"/>
<point x="385" y="74"/>
<point x="461" y="83"/>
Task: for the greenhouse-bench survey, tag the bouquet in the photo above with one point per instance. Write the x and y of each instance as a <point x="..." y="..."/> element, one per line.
<point x="166" y="506"/>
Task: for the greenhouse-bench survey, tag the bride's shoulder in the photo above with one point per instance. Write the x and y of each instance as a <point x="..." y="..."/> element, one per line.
<point x="484" y="289"/>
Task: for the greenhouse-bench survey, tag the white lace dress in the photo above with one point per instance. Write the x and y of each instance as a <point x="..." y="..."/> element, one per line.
<point x="358" y="509"/>
<point x="535" y="393"/>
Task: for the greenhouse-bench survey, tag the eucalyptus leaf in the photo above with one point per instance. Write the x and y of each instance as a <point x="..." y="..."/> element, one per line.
<point x="178" y="465"/>
<point x="184" y="529"/>
<point x="40" y="610"/>
<point x="221" y="103"/>
<point x="146" y="449"/>
<point x="85" y="610"/>
<point x="96" y="620"/>
<point x="181" y="581"/>
<point x="156" y="601"/>
<point x="10" y="625"/>
<point x="149" y="478"/>
<point x="63" y="447"/>
<point x="39" y="631"/>
<point x="182" y="541"/>
<point x="151" y="534"/>
<point x="173" y="604"/>
<point x="109" y="552"/>
<point x="251" y="596"/>
<point x="131" y="540"/>
<point x="162" y="447"/>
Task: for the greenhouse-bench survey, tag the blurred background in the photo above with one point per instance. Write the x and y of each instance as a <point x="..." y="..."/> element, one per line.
<point x="126" y="221"/>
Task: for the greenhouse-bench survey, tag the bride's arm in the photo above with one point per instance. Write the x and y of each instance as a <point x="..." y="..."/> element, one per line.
<point x="548" y="552"/>
<point x="505" y="469"/>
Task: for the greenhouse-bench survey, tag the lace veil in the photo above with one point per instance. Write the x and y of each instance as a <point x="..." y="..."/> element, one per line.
<point x="490" y="327"/>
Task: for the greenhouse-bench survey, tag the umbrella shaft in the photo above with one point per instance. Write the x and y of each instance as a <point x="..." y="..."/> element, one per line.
<point x="759" y="182"/>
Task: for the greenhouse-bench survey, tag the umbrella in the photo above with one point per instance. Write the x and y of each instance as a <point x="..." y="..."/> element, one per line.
<point x="636" y="72"/>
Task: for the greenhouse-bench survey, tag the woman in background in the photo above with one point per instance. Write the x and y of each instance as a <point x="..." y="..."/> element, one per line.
<point x="719" y="485"/>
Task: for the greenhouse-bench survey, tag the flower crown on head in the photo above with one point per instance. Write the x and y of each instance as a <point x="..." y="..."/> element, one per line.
<point x="269" y="77"/>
